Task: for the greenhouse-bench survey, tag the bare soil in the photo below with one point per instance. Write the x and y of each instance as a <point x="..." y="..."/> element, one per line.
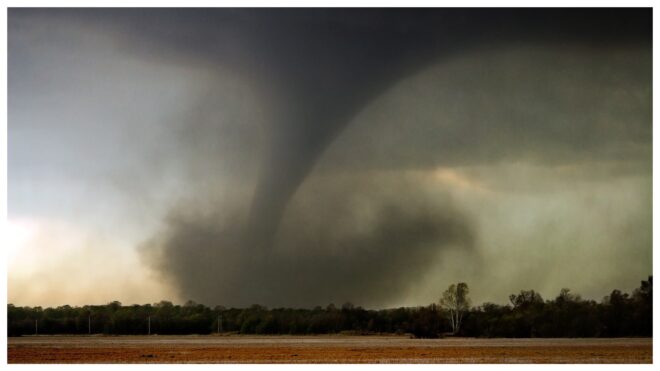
<point x="322" y="349"/>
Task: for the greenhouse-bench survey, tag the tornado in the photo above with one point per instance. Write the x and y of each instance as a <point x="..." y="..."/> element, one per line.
<point x="332" y="63"/>
<point x="300" y="238"/>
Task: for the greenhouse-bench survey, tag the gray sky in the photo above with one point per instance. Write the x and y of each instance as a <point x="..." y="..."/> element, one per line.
<point x="301" y="158"/>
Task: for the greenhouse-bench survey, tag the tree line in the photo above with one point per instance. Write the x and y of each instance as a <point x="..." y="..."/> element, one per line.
<point x="527" y="315"/>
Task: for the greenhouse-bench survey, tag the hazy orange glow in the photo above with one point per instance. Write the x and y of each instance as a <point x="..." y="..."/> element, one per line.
<point x="54" y="263"/>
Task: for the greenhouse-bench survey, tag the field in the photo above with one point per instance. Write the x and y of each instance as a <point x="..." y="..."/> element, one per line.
<point x="322" y="349"/>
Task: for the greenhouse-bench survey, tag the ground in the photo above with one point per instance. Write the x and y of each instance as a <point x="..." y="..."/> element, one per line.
<point x="322" y="349"/>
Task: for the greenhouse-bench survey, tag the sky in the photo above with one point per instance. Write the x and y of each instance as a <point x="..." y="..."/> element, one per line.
<point x="305" y="157"/>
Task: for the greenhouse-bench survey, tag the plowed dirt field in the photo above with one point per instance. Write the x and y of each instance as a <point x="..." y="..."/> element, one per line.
<point x="321" y="349"/>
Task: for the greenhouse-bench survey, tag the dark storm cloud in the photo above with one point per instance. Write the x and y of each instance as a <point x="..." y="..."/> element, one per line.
<point x="317" y="67"/>
<point x="311" y="76"/>
<point x="363" y="241"/>
<point x="547" y="105"/>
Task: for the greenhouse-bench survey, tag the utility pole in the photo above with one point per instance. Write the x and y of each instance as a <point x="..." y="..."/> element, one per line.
<point x="36" y="327"/>
<point x="149" y="324"/>
<point x="219" y="323"/>
<point x="89" y="324"/>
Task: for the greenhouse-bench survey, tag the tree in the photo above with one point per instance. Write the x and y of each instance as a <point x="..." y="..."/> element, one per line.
<point x="643" y="308"/>
<point x="526" y="299"/>
<point x="566" y="297"/>
<point x="455" y="300"/>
